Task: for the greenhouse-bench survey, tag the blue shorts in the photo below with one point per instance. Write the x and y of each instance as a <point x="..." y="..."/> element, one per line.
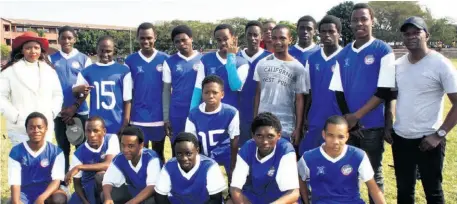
<point x="89" y="191"/>
<point x="313" y="139"/>
<point x="153" y="134"/>
<point x="178" y="124"/>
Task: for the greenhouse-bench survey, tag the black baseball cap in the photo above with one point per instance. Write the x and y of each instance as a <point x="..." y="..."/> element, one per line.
<point x="418" y="22"/>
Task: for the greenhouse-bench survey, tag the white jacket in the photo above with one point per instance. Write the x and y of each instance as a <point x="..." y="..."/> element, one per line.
<point x="19" y="98"/>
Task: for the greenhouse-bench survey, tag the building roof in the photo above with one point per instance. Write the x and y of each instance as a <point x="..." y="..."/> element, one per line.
<point x="27" y="22"/>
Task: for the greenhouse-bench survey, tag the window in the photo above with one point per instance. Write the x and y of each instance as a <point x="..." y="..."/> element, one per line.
<point x="21" y="29"/>
<point x="46" y="30"/>
<point x="6" y="27"/>
<point x="8" y="41"/>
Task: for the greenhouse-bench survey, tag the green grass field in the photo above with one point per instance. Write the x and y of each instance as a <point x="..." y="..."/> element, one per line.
<point x="449" y="183"/>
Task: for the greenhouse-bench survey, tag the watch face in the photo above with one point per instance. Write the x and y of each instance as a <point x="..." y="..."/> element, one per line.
<point x="441" y="133"/>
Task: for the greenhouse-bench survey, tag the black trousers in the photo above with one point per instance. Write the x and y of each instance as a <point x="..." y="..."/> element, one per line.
<point x="407" y="156"/>
<point x="60" y="128"/>
<point x="373" y="145"/>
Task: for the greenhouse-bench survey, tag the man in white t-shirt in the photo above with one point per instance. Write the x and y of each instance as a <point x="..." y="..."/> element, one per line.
<point x="423" y="76"/>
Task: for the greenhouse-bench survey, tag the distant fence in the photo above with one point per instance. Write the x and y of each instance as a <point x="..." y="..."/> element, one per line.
<point x="447" y="52"/>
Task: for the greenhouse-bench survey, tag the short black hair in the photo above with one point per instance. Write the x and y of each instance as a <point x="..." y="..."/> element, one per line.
<point x="224" y="26"/>
<point x="335" y="120"/>
<point x="144" y="26"/>
<point x="67" y="28"/>
<point x="282" y="26"/>
<point x="35" y="115"/>
<point x="213" y="79"/>
<point x="132" y="130"/>
<point x="186" y="137"/>
<point x="181" y="29"/>
<point x="253" y="23"/>
<point x="307" y="18"/>
<point x="266" y="119"/>
<point x="96" y="118"/>
<point x="364" y="6"/>
<point x="330" y="19"/>
<point x="103" y="38"/>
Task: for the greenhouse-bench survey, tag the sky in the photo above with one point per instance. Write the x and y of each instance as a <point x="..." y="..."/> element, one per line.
<point x="133" y="12"/>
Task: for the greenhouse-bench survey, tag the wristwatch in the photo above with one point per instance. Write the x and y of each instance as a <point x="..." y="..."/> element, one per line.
<point x="441" y="133"/>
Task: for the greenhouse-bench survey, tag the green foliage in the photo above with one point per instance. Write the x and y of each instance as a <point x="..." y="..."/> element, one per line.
<point x="87" y="41"/>
<point x="4" y="51"/>
<point x="344" y="12"/>
<point x="389" y="16"/>
<point x="442" y="30"/>
<point x="40" y="32"/>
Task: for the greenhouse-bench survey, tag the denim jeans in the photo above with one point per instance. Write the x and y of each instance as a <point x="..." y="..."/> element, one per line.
<point x="373" y="144"/>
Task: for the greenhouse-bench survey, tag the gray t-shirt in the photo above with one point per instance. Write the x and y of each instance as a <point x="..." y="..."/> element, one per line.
<point x="279" y="82"/>
<point x="421" y="88"/>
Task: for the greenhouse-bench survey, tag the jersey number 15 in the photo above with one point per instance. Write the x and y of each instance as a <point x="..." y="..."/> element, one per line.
<point x="101" y="90"/>
<point x="211" y="141"/>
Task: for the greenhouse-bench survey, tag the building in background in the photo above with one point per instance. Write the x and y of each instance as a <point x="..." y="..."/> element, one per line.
<point x="11" y="28"/>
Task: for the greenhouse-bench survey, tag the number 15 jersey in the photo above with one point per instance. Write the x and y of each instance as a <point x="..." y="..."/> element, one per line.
<point x="214" y="129"/>
<point x="112" y="85"/>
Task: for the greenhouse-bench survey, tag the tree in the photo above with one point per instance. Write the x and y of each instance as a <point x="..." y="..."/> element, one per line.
<point x="40" y="32"/>
<point x="87" y="41"/>
<point x="4" y="51"/>
<point x="344" y="12"/>
<point x="389" y="16"/>
<point x="293" y="30"/>
<point x="442" y="30"/>
<point x="239" y="25"/>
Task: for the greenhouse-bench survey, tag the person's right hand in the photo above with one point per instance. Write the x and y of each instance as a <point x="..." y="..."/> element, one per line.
<point x="84" y="89"/>
<point x="351" y="119"/>
<point x="109" y="202"/>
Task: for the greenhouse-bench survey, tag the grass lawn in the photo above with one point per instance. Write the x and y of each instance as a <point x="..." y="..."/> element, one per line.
<point x="449" y="181"/>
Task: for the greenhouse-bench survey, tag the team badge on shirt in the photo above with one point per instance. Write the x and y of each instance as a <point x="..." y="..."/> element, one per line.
<point x="320" y="170"/>
<point x="103" y="155"/>
<point x="159" y="67"/>
<point x="346" y="169"/>
<point x="369" y="59"/>
<point x="271" y="172"/>
<point x="140" y="69"/>
<point x="197" y="66"/>
<point x="24" y="160"/>
<point x="75" y="65"/>
<point x="179" y="67"/>
<point x="346" y="62"/>
<point x="44" y="163"/>
<point x="317" y="67"/>
<point x="212" y="70"/>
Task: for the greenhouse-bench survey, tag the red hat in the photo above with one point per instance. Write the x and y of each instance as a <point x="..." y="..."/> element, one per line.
<point x="30" y="36"/>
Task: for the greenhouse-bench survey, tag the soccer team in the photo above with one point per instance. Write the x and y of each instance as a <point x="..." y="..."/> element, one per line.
<point x="276" y="116"/>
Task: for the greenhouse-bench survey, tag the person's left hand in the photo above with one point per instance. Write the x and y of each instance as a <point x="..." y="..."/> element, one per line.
<point x="67" y="114"/>
<point x="233" y="48"/>
<point x="295" y="137"/>
<point x="70" y="174"/>
<point x="430" y="142"/>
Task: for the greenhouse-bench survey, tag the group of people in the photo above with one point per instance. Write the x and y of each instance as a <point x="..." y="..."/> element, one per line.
<point x="299" y="123"/>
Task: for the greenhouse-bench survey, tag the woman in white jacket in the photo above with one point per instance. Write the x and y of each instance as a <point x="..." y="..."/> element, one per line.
<point x="29" y="83"/>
